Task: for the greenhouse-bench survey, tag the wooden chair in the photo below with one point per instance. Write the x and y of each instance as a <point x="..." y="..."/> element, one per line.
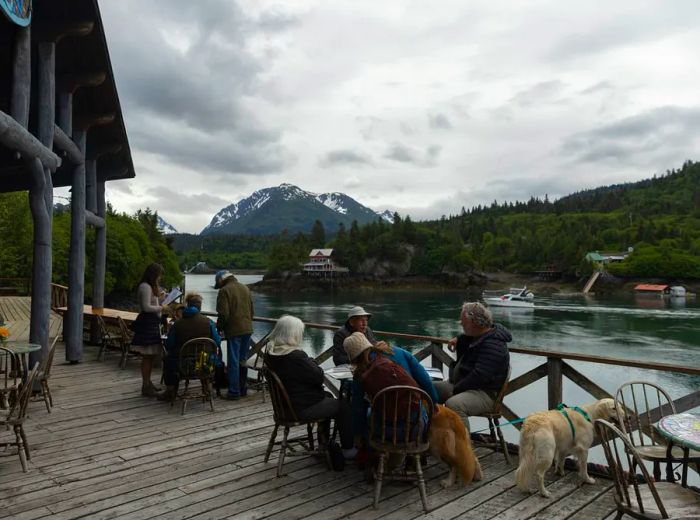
<point x="109" y="338"/>
<point x="284" y="416"/>
<point x="193" y="363"/>
<point x="641" y="497"/>
<point x="639" y="405"/>
<point x="10" y="377"/>
<point x="257" y="362"/>
<point x="125" y="340"/>
<point x="399" y="420"/>
<point x="496" y="438"/>
<point x="44" y="375"/>
<point x="15" y="418"/>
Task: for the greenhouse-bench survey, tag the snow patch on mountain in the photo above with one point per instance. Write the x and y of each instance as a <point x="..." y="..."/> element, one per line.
<point x="164" y="227"/>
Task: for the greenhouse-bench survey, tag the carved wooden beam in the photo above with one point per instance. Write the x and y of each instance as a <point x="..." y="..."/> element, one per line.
<point x="67" y="146"/>
<point x="72" y="82"/>
<point x="55" y="30"/>
<point x="16" y="137"/>
<point x="87" y="121"/>
<point x="94" y="220"/>
<point x="95" y="152"/>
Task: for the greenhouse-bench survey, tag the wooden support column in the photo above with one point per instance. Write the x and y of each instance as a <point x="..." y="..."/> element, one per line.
<point x="554" y="382"/>
<point x="41" y="204"/>
<point x="21" y="76"/>
<point x="91" y="185"/>
<point x="98" y="285"/>
<point x="73" y="322"/>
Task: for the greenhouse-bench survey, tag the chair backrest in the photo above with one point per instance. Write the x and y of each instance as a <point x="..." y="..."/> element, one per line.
<point x="281" y="404"/>
<point x="18" y="409"/>
<point x="639" y="405"/>
<point x="623" y="461"/>
<point x="498" y="402"/>
<point x="9" y="369"/>
<point x="45" y="370"/>
<point x="400" y="416"/>
<point x="124" y="330"/>
<point x="196" y="358"/>
<point x="102" y="326"/>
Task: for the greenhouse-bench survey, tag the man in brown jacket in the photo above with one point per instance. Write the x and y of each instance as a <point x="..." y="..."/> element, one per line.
<point x="234" y="306"/>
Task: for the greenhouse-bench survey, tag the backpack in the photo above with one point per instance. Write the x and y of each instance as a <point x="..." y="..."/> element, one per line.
<point x="383" y="373"/>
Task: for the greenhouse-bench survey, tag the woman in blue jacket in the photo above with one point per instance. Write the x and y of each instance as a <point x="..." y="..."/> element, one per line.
<point x="361" y="353"/>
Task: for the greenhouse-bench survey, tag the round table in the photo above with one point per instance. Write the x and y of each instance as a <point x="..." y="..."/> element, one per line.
<point x="681" y="429"/>
<point x="21" y="349"/>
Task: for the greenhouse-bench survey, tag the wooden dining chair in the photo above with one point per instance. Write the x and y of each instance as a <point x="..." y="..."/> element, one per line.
<point x="637" y="494"/>
<point x="496" y="439"/>
<point x="109" y="338"/>
<point x="256" y="362"/>
<point x="125" y="337"/>
<point x="399" y="420"/>
<point x="194" y="363"/>
<point x="44" y="375"/>
<point x="285" y="417"/>
<point x="14" y="420"/>
<point x="640" y="404"/>
<point x="10" y="377"/>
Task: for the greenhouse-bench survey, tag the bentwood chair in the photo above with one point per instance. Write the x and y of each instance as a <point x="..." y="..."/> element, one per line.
<point x="125" y="337"/>
<point x="284" y="416"/>
<point x="399" y="420"/>
<point x="638" y="495"/>
<point x="496" y="439"/>
<point x="196" y="362"/>
<point x="14" y="420"/>
<point x="639" y="405"/>
<point x="44" y="375"/>
<point x="256" y="362"/>
<point x="109" y="338"/>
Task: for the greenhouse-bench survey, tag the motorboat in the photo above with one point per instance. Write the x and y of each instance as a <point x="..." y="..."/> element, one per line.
<point x="516" y="297"/>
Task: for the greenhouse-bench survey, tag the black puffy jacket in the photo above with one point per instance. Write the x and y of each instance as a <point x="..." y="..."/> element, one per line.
<point x="482" y="362"/>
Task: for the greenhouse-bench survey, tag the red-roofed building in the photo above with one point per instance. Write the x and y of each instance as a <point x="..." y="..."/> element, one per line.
<point x="652" y="288"/>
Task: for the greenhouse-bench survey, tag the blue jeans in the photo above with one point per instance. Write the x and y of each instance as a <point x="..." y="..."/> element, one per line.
<point x="238" y="347"/>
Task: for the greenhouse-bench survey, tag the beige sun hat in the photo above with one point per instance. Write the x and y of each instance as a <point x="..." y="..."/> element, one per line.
<point x="358" y="311"/>
<point x="355" y="344"/>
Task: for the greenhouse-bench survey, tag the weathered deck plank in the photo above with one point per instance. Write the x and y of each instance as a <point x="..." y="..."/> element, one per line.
<point x="106" y="452"/>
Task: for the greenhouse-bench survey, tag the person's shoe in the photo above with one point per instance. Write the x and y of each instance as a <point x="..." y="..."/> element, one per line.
<point x="149" y="391"/>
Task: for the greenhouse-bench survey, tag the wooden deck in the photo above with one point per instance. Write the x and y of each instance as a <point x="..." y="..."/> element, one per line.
<point x="15" y="310"/>
<point x="106" y="452"/>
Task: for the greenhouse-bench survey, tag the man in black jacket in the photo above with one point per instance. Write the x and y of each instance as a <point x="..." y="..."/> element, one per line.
<point x="357" y="322"/>
<point x="482" y="363"/>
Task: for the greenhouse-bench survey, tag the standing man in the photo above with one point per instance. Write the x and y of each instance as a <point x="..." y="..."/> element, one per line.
<point x="235" y="309"/>
<point x="357" y="321"/>
<point x="482" y="363"/>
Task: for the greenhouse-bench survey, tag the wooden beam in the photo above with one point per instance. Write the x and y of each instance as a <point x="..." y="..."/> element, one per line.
<point x="21" y="76"/>
<point x="527" y="378"/>
<point x="55" y="30"/>
<point x="95" y="152"/>
<point x="554" y="382"/>
<point x="72" y="82"/>
<point x="16" y="137"/>
<point x="94" y="220"/>
<point x="585" y="383"/>
<point x="98" y="281"/>
<point x="87" y="121"/>
<point x="66" y="144"/>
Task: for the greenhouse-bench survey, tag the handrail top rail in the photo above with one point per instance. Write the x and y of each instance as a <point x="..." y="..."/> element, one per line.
<point x="666" y="367"/>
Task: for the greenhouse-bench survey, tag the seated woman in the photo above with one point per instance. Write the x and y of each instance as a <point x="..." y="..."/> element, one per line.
<point x="361" y="354"/>
<point x="191" y="325"/>
<point x="303" y="380"/>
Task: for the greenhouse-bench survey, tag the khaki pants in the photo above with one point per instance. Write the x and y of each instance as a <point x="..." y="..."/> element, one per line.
<point x="471" y="402"/>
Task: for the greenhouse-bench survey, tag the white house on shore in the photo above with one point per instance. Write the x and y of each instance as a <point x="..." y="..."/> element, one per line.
<point x="321" y="264"/>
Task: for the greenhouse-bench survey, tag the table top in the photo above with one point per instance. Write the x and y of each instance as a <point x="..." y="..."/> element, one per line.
<point x="344" y="372"/>
<point x="105" y="312"/>
<point x="20" y="347"/>
<point x="682" y="428"/>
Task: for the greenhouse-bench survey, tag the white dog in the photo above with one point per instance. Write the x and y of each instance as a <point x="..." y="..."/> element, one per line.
<point x="550" y="436"/>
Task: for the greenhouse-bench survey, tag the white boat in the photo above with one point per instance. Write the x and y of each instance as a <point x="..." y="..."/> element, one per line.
<point x="517" y="297"/>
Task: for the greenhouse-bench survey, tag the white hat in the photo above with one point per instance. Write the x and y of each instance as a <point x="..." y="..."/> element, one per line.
<point x="355" y="344"/>
<point x="358" y="311"/>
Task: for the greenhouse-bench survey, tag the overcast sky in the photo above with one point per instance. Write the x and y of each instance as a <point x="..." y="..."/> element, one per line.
<point x="415" y="106"/>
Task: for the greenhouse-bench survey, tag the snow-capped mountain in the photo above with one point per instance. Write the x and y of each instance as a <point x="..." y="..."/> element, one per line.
<point x="388" y="216"/>
<point x="271" y="210"/>
<point x="164" y="227"/>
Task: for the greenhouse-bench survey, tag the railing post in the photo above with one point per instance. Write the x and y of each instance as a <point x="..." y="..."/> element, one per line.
<point x="554" y="382"/>
<point x="435" y="361"/>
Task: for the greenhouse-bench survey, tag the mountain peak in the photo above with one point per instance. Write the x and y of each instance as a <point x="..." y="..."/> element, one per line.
<point x="270" y="210"/>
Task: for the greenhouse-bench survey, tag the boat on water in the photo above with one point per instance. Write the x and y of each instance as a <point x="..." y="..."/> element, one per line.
<point x="516" y="297"/>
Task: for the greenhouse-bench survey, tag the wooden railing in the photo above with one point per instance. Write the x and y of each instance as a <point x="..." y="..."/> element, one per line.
<point x="554" y="368"/>
<point x="59" y="296"/>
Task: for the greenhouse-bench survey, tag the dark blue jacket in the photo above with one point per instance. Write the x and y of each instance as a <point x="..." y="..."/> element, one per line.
<point x="482" y="363"/>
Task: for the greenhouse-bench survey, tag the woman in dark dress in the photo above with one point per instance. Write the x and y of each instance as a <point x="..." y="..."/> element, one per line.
<point x="147" y="338"/>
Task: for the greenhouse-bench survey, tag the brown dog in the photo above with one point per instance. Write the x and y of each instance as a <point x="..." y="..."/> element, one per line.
<point x="450" y="442"/>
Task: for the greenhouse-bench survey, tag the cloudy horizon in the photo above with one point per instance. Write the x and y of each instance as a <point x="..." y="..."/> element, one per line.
<point x="414" y="107"/>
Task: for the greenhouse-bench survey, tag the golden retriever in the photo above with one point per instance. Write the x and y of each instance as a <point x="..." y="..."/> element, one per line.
<point x="450" y="442"/>
<point x="546" y="437"/>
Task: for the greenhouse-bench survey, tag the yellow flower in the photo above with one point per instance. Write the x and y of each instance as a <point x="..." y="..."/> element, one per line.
<point x="4" y="333"/>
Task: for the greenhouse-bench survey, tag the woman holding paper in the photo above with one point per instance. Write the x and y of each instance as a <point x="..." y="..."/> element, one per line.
<point x="147" y="339"/>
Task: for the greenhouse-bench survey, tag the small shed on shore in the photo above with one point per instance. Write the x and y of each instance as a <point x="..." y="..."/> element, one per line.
<point x="651" y="288"/>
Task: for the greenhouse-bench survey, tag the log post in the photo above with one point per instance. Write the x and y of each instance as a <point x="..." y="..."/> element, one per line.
<point x="41" y="204"/>
<point x="98" y="285"/>
<point x="21" y="76"/>
<point x="73" y="323"/>
<point x="554" y="382"/>
<point x="91" y="185"/>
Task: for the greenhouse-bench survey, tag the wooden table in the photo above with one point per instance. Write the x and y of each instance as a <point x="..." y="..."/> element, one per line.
<point x="683" y="430"/>
<point x="105" y="312"/>
<point x="21" y="350"/>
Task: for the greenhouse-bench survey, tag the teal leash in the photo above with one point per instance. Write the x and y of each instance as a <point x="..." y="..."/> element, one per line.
<point x="560" y="407"/>
<point x="516" y="421"/>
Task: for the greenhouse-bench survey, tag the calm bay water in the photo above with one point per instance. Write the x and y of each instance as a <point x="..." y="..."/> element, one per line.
<point x="648" y="328"/>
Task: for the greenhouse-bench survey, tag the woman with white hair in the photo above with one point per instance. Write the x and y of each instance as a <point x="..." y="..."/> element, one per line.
<point x="303" y="380"/>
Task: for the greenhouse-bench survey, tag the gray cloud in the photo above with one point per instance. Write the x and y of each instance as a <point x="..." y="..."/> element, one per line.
<point x="439" y="121"/>
<point x="404" y="154"/>
<point x="666" y="130"/>
<point x="539" y="93"/>
<point x="341" y="157"/>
